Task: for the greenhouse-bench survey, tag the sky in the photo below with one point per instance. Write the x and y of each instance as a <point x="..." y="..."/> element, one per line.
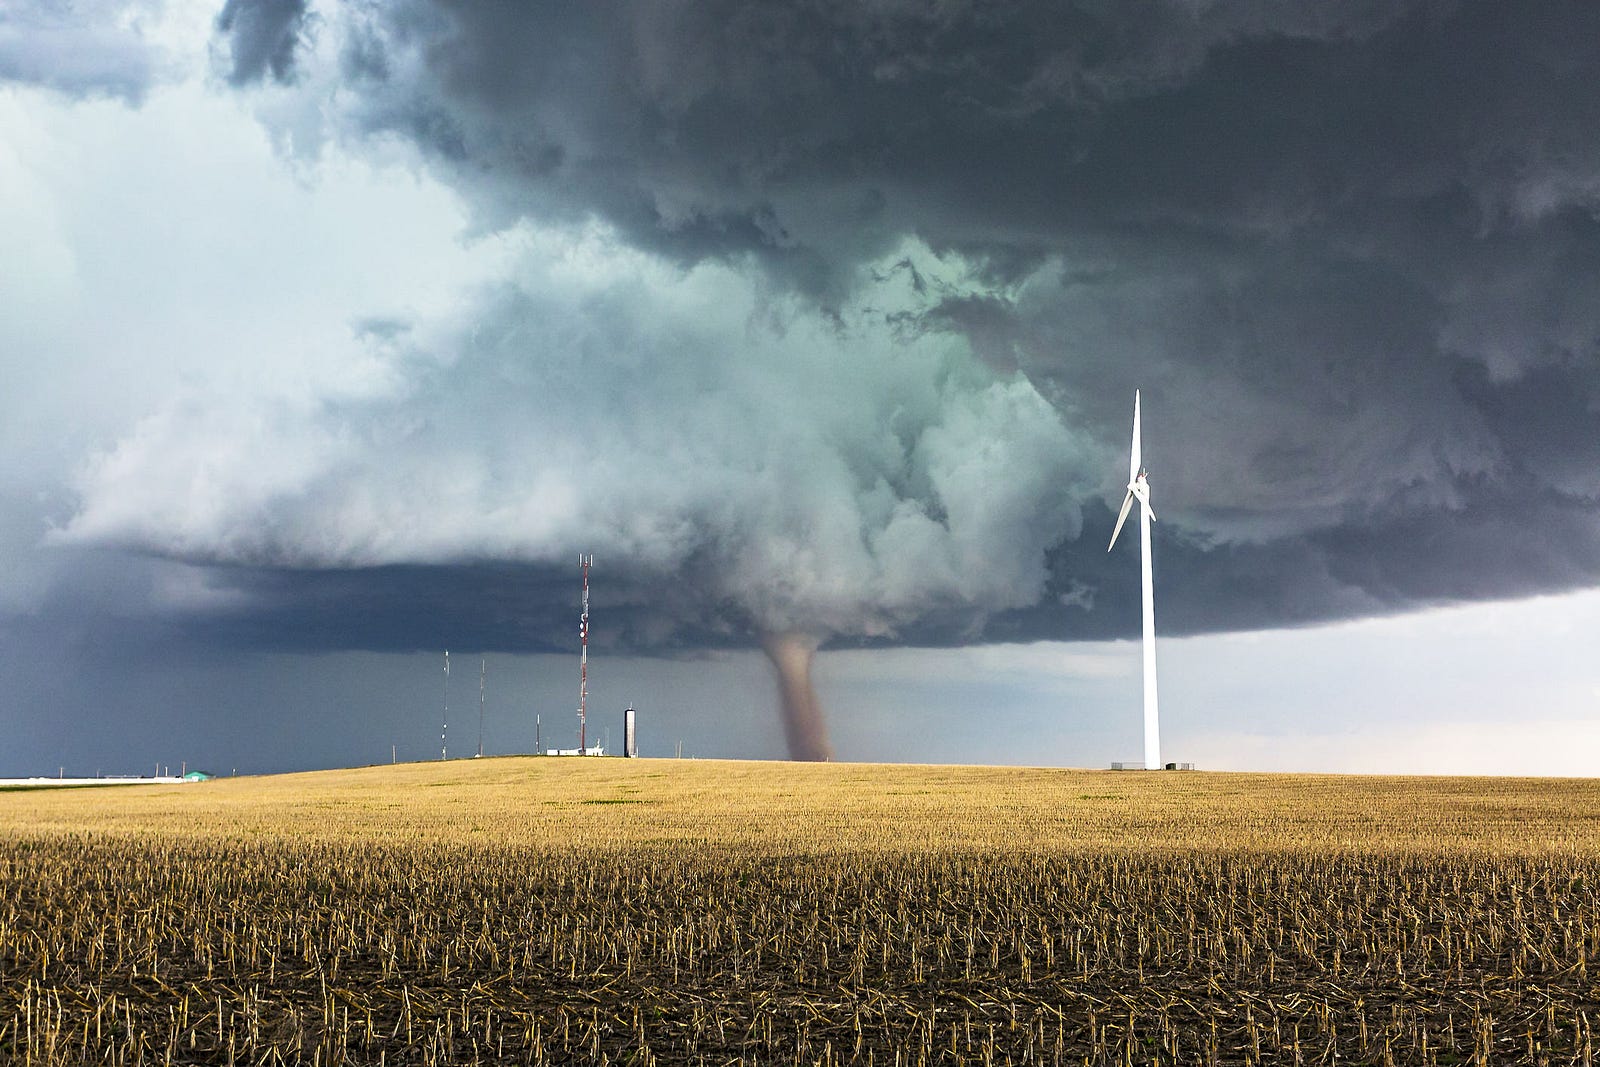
<point x="334" y="332"/>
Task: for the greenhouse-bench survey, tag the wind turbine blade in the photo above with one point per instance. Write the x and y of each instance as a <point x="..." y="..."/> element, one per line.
<point x="1134" y="458"/>
<point x="1122" y="517"/>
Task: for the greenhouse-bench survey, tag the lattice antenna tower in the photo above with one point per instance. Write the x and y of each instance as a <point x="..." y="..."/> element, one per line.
<point x="583" y="660"/>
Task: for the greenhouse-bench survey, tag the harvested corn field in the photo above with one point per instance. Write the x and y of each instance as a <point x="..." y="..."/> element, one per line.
<point x="684" y="912"/>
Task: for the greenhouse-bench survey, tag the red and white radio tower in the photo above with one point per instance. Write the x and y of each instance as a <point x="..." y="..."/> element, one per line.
<point x="583" y="636"/>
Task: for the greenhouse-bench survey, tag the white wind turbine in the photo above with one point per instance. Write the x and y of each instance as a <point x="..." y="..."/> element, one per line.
<point x="1139" y="486"/>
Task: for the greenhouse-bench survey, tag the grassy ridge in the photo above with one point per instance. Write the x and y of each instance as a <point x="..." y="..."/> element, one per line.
<point x="565" y="911"/>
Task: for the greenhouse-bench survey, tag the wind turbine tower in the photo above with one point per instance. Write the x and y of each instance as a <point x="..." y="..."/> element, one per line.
<point x="1139" y="487"/>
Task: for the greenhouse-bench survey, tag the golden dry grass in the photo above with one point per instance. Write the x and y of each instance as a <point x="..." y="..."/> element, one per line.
<point x="585" y="911"/>
<point x="788" y="807"/>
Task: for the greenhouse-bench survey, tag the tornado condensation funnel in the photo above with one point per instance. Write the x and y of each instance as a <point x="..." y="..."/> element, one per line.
<point x="791" y="654"/>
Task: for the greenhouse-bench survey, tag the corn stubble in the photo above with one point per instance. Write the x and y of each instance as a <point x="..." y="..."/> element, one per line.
<point x="150" y="941"/>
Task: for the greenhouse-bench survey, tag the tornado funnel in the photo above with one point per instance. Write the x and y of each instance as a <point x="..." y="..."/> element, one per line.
<point x="791" y="655"/>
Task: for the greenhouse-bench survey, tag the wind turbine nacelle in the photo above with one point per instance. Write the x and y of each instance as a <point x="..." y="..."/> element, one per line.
<point x="1141" y="489"/>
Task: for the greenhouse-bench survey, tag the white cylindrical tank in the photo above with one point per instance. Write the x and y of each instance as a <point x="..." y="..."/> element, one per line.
<point x="630" y="741"/>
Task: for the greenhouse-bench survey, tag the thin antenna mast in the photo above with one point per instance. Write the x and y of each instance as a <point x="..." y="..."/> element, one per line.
<point x="444" y="749"/>
<point x="583" y="660"/>
<point x="483" y="669"/>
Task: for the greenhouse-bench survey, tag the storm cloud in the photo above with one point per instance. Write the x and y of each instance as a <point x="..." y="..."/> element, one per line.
<point x="88" y="47"/>
<point x="826" y="319"/>
<point x="263" y="36"/>
<point x="790" y="469"/>
<point x="1349" y="254"/>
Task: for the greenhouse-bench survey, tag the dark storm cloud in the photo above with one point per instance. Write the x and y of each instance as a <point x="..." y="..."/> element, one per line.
<point x="1442" y="148"/>
<point x="1350" y="253"/>
<point x="263" y="36"/>
<point x="821" y="128"/>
